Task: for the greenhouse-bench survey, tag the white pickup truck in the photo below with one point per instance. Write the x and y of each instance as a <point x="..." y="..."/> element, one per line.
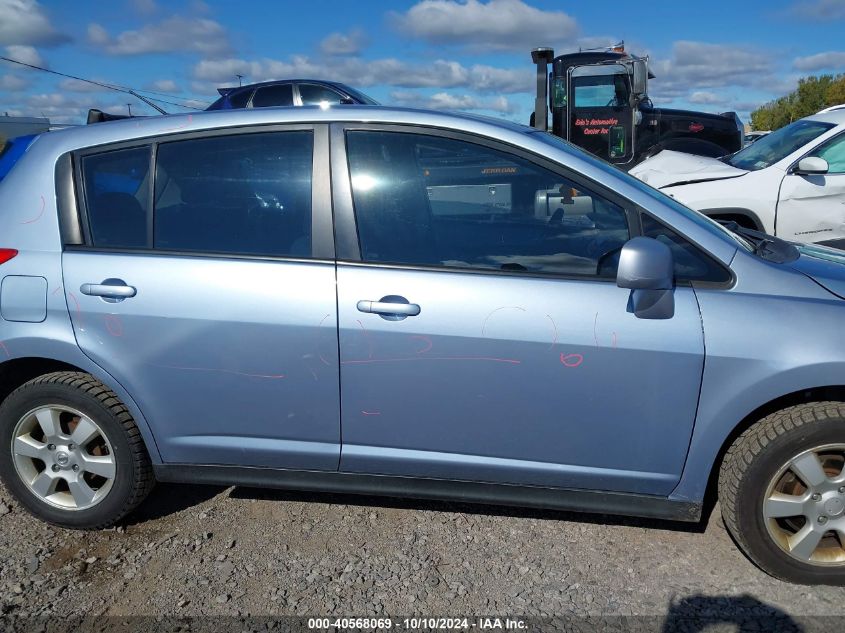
<point x="790" y="183"/>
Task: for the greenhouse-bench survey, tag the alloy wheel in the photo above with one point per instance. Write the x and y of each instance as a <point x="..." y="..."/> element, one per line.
<point x="804" y="506"/>
<point x="63" y="457"/>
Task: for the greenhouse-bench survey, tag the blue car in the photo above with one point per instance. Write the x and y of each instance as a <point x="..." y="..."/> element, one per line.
<point x="403" y="302"/>
<point x="12" y="150"/>
<point x="289" y="92"/>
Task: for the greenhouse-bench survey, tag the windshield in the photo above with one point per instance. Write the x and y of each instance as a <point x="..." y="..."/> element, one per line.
<point x="776" y="146"/>
<point x="360" y="96"/>
<point x="699" y="218"/>
<point x="600" y="92"/>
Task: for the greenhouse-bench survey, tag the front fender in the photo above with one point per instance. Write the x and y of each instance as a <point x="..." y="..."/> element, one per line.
<point x="760" y="347"/>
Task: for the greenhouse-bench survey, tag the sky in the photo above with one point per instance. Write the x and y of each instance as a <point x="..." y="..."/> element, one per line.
<point x="471" y="55"/>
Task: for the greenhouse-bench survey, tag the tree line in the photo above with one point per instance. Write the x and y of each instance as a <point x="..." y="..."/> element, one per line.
<point x="811" y="95"/>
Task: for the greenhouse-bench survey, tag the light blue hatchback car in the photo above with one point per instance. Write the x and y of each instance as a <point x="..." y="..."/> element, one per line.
<point x="401" y="302"/>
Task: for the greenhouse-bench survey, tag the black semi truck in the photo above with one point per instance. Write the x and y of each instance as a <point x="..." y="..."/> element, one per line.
<point x="599" y="101"/>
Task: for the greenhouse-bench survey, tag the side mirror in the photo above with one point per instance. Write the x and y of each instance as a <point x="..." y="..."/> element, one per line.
<point x="647" y="268"/>
<point x="639" y="77"/>
<point x="811" y="166"/>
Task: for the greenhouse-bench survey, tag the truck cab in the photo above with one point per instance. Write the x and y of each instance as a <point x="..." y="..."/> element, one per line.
<point x="599" y="101"/>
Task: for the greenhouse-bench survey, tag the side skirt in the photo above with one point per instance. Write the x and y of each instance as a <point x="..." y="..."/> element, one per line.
<point x="599" y="502"/>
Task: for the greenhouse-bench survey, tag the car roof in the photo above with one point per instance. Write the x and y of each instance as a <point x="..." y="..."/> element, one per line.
<point x="277" y="82"/>
<point x="836" y="116"/>
<point x="142" y="127"/>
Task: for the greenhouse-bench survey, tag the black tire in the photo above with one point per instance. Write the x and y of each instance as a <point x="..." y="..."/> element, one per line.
<point x="133" y="477"/>
<point x="749" y="466"/>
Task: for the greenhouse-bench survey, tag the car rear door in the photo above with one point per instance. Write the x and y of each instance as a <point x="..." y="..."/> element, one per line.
<point x="811" y="208"/>
<point x="206" y="287"/>
<point x="482" y="336"/>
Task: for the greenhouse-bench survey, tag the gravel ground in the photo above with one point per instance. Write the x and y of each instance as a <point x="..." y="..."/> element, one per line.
<point x="198" y="551"/>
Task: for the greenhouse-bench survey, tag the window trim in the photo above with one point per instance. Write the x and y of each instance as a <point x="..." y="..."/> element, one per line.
<point x="322" y="239"/>
<point x="346" y="228"/>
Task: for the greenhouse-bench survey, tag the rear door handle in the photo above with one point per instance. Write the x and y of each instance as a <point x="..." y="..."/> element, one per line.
<point x="108" y="289"/>
<point x="389" y="308"/>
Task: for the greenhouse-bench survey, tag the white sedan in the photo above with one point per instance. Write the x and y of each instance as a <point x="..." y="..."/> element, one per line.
<point x="790" y="183"/>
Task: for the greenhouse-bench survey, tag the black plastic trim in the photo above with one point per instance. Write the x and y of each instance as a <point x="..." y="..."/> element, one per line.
<point x="158" y="252"/>
<point x="69" y="225"/>
<point x="441" y="489"/>
<point x="345" y="226"/>
<point x="322" y="231"/>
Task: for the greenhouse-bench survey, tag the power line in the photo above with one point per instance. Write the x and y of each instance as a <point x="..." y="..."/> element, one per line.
<point x="116" y="87"/>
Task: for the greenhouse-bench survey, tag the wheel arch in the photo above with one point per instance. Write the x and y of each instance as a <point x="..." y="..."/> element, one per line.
<point x="737" y="214"/>
<point x="17" y="370"/>
<point x="801" y="396"/>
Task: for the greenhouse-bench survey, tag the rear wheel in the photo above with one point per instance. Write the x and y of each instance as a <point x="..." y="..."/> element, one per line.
<point x="72" y="454"/>
<point x="782" y="491"/>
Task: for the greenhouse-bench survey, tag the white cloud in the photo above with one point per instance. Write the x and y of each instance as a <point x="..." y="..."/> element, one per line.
<point x="351" y="43"/>
<point x="447" y="101"/>
<point x="25" y="54"/>
<point x="164" y="85"/>
<point x="695" y="66"/>
<point x="493" y="25"/>
<point x="174" y="34"/>
<point x="832" y="60"/>
<point x="12" y="83"/>
<point x="703" y="96"/>
<point x="359" y="72"/>
<point x="818" y="10"/>
<point x="24" y="22"/>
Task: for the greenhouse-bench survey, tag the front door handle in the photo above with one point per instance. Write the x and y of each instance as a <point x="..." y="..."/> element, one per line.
<point x="109" y="289"/>
<point x="389" y="308"/>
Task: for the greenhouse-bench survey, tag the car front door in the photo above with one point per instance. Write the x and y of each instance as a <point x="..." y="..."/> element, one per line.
<point x="208" y="292"/>
<point x="482" y="336"/>
<point x="811" y="208"/>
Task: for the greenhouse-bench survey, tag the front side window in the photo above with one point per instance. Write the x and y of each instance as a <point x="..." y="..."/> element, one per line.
<point x="435" y="201"/>
<point x="116" y="186"/>
<point x="691" y="264"/>
<point x="280" y="95"/>
<point x="243" y="194"/>
<point x="834" y="153"/>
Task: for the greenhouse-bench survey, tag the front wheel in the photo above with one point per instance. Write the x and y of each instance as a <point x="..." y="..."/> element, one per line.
<point x="72" y="454"/>
<point x="782" y="492"/>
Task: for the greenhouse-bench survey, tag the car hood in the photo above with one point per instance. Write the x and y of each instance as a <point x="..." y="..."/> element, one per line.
<point x="825" y="266"/>
<point x="677" y="168"/>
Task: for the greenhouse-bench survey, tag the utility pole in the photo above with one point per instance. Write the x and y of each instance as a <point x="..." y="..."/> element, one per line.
<point x="240" y="77"/>
<point x="129" y="107"/>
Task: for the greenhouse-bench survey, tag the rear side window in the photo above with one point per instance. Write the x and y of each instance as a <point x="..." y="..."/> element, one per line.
<point x="281" y="95"/>
<point x="691" y="264"/>
<point x="116" y="196"/>
<point x="312" y="94"/>
<point x="245" y="194"/>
